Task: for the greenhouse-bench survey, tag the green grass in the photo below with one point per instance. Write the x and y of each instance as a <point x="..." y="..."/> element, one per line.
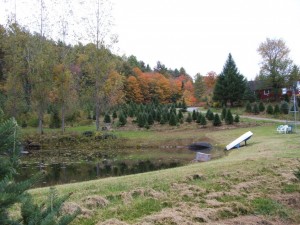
<point x="267" y="155"/>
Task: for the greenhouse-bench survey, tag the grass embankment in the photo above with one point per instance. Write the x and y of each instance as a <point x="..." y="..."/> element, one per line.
<point x="254" y="184"/>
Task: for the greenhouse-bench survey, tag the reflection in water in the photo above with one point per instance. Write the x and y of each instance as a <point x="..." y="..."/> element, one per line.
<point x="60" y="173"/>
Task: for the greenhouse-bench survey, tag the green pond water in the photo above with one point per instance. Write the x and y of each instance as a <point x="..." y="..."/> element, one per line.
<point x="131" y="162"/>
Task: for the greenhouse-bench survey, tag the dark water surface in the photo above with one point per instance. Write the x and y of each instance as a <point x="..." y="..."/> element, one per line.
<point x="130" y="163"/>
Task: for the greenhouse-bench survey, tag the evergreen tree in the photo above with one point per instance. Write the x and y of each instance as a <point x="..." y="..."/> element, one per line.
<point x="230" y="85"/>
<point x="141" y="121"/>
<point x="194" y="115"/>
<point x="248" y="108"/>
<point x="12" y="192"/>
<point x="184" y="106"/>
<point x="261" y="107"/>
<point x="217" y="120"/>
<point x="223" y="114"/>
<point x="203" y="121"/>
<point x="276" y="109"/>
<point x="236" y="118"/>
<point x="189" y="118"/>
<point x="150" y="119"/>
<point x="249" y="95"/>
<point x="255" y="109"/>
<point x="107" y="118"/>
<point x="199" y="118"/>
<point x="229" y="117"/>
<point x="284" y="107"/>
<point x="270" y="109"/>
<point x="122" y="119"/>
<point x="207" y="113"/>
<point x="114" y="115"/>
<point x="173" y="120"/>
<point x="180" y="114"/>
<point x="210" y="116"/>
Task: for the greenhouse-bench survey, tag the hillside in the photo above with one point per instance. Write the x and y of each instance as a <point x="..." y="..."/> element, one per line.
<point x="251" y="185"/>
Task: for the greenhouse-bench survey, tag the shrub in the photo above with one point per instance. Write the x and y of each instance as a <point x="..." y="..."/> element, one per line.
<point x="114" y="115"/>
<point x="88" y="133"/>
<point x="248" y="107"/>
<point x="189" y="118"/>
<point x="255" y="109"/>
<point x="223" y="114"/>
<point x="122" y="119"/>
<point x="261" y="107"/>
<point x="236" y="118"/>
<point x="276" y="109"/>
<point x="229" y="117"/>
<point x="217" y="120"/>
<point x="173" y="120"/>
<point x="284" y="107"/>
<point x="150" y="119"/>
<point x="107" y="118"/>
<point x="203" y="121"/>
<point x="194" y="115"/>
<point x="270" y="109"/>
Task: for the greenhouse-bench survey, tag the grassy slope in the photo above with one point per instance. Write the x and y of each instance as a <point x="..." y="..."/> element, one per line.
<point x="254" y="180"/>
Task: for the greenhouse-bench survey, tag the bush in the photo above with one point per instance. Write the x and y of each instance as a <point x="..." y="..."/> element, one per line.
<point x="236" y="118"/>
<point x="276" y="109"/>
<point x="223" y="114"/>
<point x="255" y="109"/>
<point x="261" y="107"/>
<point x="88" y="133"/>
<point x="173" y="119"/>
<point x="248" y="108"/>
<point x="194" y="115"/>
<point x="270" y="110"/>
<point x="107" y="118"/>
<point x="284" y="107"/>
<point x="189" y="118"/>
<point x="229" y="117"/>
<point x="122" y="119"/>
<point x="203" y="121"/>
<point x="217" y="120"/>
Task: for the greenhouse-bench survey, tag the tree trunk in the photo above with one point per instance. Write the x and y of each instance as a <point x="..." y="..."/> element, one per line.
<point x="63" y="118"/>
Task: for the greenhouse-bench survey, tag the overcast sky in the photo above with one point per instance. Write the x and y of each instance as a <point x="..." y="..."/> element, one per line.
<point x="198" y="35"/>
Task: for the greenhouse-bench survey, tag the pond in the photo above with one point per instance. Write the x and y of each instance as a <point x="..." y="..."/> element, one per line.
<point x="140" y="161"/>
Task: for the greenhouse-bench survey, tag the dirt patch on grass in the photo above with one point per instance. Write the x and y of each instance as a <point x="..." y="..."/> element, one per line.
<point x="95" y="201"/>
<point x="187" y="190"/>
<point x="141" y="192"/>
<point x="72" y="207"/>
<point x="291" y="200"/>
<point x="112" y="222"/>
<point x="248" y="220"/>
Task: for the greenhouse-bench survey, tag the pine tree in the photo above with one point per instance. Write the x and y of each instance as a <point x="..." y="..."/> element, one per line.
<point x="284" y="107"/>
<point x="180" y="114"/>
<point x="223" y="114"/>
<point x="230" y="85"/>
<point x="184" y="106"/>
<point x="229" y="117"/>
<point x="189" y="118"/>
<point x="54" y="120"/>
<point x="217" y="120"/>
<point x="236" y="118"/>
<point x="199" y="118"/>
<point x="122" y="119"/>
<point x="141" y="121"/>
<point x="12" y="192"/>
<point x="150" y="119"/>
<point x="203" y="121"/>
<point x="210" y="116"/>
<point x="255" y="109"/>
<point x="270" y="109"/>
<point x="114" y="115"/>
<point x="248" y="108"/>
<point x="173" y="120"/>
<point x="261" y="107"/>
<point x="107" y="118"/>
<point x="194" y="115"/>
<point x="276" y="109"/>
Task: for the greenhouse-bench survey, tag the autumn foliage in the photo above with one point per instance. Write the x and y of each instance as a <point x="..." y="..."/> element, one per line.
<point x="143" y="87"/>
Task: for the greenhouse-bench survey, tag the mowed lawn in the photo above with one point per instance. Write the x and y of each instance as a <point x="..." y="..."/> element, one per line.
<point x="255" y="183"/>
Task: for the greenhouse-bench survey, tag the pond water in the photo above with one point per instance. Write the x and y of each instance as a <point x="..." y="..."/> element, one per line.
<point x="140" y="161"/>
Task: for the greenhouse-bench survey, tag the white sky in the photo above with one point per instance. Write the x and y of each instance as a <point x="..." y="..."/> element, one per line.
<point x="198" y="34"/>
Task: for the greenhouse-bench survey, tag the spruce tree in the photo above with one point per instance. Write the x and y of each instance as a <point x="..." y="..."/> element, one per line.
<point x="12" y="192"/>
<point x="199" y="118"/>
<point x="229" y="117"/>
<point x="255" y="109"/>
<point x="248" y="108"/>
<point x="173" y="120"/>
<point x="194" y="115"/>
<point x="236" y="118"/>
<point x="203" y="121"/>
<point x="284" y="107"/>
<point x="141" y="121"/>
<point x="276" y="109"/>
<point x="54" y="120"/>
<point x="180" y="114"/>
<point x="217" y="120"/>
<point x="210" y="116"/>
<point x="261" y="107"/>
<point x="122" y="119"/>
<point x="189" y="118"/>
<point x="184" y="106"/>
<point x="107" y="118"/>
<point x="114" y="115"/>
<point x="230" y="85"/>
<point x="270" y="109"/>
<point x="150" y="119"/>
